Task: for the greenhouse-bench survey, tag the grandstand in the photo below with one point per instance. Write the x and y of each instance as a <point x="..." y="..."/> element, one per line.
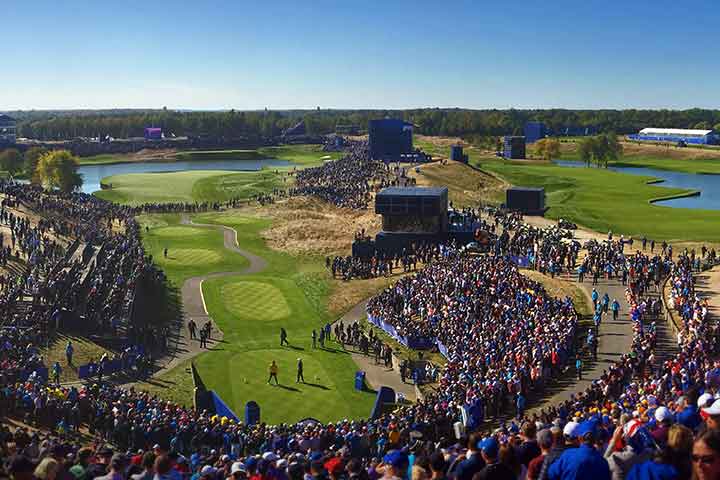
<point x="677" y="135"/>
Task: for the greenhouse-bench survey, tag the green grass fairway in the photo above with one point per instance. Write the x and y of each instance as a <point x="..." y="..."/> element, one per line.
<point x="604" y="200"/>
<point x="209" y="185"/>
<point x="250" y="309"/>
<point x="187" y="186"/>
<point x="191" y="250"/>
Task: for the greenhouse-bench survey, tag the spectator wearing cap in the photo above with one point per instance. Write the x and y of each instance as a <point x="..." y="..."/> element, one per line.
<point x="238" y="471"/>
<point x="663" y="422"/>
<point x="148" y="465"/>
<point x="712" y="416"/>
<point x="581" y="463"/>
<point x="636" y="448"/>
<point x="545" y="442"/>
<point x="395" y="465"/>
<point x="101" y="464"/>
<point x="118" y="462"/>
<point x="493" y="469"/>
<point x="474" y="461"/>
<point x="208" y="472"/>
<point x="567" y="438"/>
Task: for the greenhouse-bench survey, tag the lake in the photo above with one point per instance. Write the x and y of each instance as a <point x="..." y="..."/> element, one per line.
<point x="707" y="185"/>
<point x="92" y="174"/>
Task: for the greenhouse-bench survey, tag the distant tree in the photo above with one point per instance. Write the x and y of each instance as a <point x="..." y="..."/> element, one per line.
<point x="548" y="148"/>
<point x="586" y="146"/>
<point x="600" y="149"/>
<point x="717" y="128"/>
<point x="32" y="157"/>
<point x="58" y="169"/>
<point x="11" y="160"/>
<point x="702" y="126"/>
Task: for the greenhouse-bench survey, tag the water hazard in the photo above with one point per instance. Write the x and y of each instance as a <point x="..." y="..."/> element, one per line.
<point x="92" y="174"/>
<point x="707" y="185"/>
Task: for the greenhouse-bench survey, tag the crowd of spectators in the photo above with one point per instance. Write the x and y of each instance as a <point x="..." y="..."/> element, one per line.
<point x="347" y="182"/>
<point x="502" y="334"/>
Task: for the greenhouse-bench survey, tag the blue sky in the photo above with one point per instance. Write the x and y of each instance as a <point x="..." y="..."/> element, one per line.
<point x="214" y="54"/>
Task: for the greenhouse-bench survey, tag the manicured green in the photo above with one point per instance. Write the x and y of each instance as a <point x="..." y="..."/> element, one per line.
<point x="291" y="292"/>
<point x="191" y="250"/>
<point x="603" y="200"/>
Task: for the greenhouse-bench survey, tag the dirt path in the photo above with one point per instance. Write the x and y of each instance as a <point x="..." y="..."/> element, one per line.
<point x="193" y="303"/>
<point x="708" y="286"/>
<point x="376" y="375"/>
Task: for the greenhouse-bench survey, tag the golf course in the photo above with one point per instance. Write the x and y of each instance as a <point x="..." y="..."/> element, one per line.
<point x="294" y="290"/>
<point x="291" y="293"/>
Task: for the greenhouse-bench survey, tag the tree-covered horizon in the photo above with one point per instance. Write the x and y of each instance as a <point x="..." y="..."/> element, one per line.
<point x="467" y="123"/>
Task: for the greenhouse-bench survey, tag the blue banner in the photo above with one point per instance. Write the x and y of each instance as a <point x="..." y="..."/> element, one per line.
<point x="416" y="343"/>
<point x="221" y="408"/>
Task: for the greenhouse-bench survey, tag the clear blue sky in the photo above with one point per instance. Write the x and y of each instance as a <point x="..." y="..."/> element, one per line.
<point x="214" y="54"/>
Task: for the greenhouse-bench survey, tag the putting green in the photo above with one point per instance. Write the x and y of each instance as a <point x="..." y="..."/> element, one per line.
<point x="255" y="301"/>
<point x="178" y="232"/>
<point x="192" y="256"/>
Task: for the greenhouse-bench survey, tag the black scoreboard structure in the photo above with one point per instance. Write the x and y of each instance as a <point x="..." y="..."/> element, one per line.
<point x="390" y="139"/>
<point x="528" y="200"/>
<point x="411" y="215"/>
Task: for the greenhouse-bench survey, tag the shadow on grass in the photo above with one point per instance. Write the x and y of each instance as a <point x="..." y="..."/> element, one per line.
<point x="287" y="387"/>
<point x="316" y="385"/>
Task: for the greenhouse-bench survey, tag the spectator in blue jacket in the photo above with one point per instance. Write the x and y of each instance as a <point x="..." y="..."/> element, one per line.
<point x="671" y="462"/>
<point x="474" y="462"/>
<point x="584" y="462"/>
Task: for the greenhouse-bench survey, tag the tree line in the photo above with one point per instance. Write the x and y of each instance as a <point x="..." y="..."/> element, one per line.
<point x="468" y="124"/>
<point x="53" y="169"/>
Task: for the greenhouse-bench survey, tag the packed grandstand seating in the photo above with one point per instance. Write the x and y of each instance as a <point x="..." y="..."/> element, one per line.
<point x="503" y="335"/>
<point x="347" y="182"/>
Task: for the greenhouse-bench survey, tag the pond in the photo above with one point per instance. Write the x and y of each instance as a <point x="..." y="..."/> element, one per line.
<point x="707" y="185"/>
<point x="92" y="174"/>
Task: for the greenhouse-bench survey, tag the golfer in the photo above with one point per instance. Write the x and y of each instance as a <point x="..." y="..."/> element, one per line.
<point x="300" y="377"/>
<point x="273" y="373"/>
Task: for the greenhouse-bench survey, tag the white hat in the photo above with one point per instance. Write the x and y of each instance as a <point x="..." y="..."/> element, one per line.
<point x="207" y="470"/>
<point x="704" y="400"/>
<point x="282" y="463"/>
<point x="225" y="458"/>
<point x="713" y="409"/>
<point x="269" y="456"/>
<point x="570" y="429"/>
<point x="662" y="413"/>
<point x="237" y="467"/>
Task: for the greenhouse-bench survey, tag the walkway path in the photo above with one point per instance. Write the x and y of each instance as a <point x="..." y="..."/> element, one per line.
<point x="376" y="375"/>
<point x="193" y="303"/>
<point x="708" y="286"/>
